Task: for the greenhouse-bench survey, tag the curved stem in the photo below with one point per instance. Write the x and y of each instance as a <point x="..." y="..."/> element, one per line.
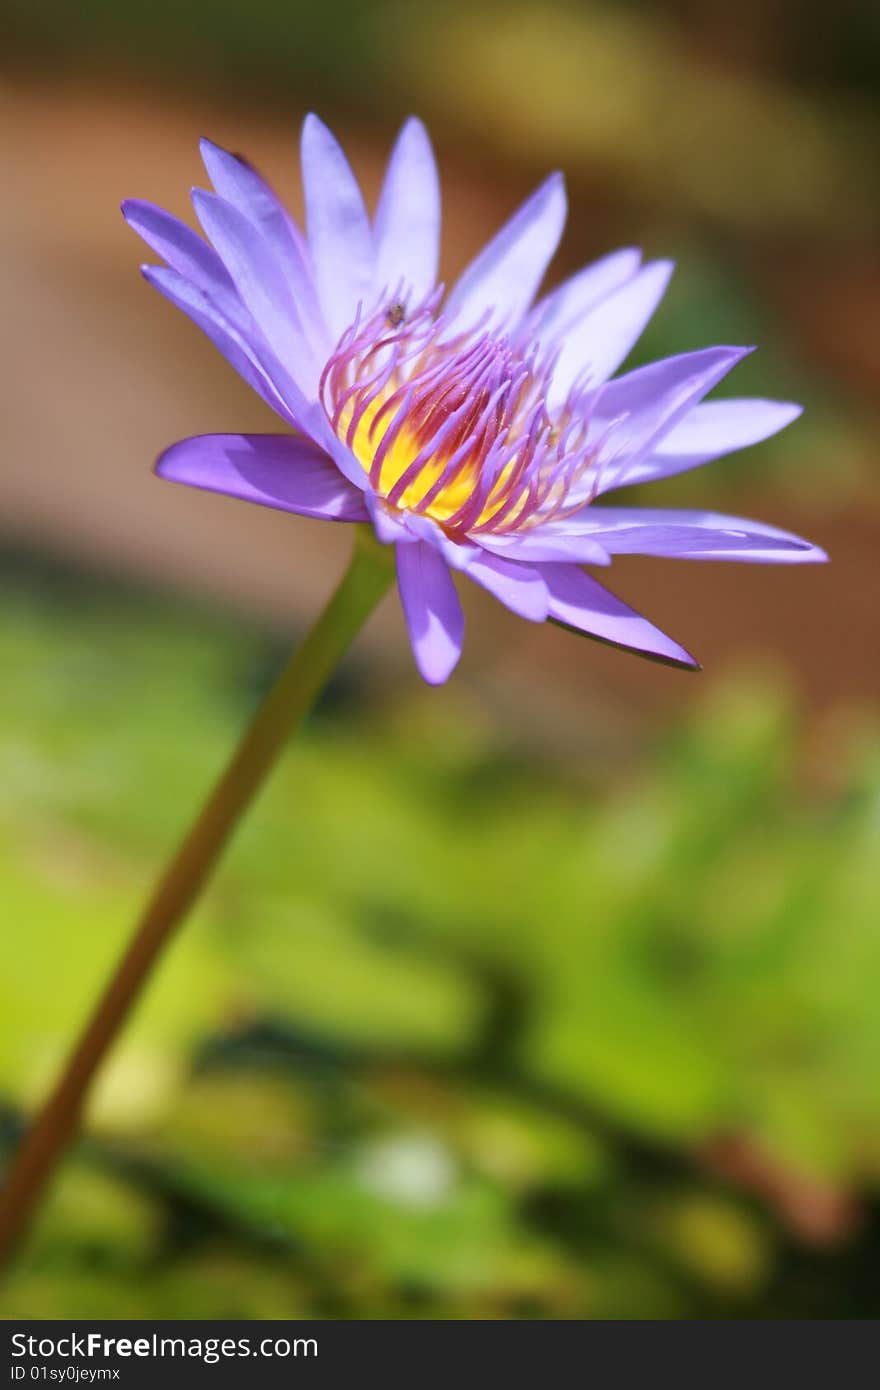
<point x="368" y="577"/>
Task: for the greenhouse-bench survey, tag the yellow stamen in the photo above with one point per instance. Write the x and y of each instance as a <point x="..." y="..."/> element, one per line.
<point x="401" y="454"/>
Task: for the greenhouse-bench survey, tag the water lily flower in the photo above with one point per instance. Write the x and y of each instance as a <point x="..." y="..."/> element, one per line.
<point x="475" y="429"/>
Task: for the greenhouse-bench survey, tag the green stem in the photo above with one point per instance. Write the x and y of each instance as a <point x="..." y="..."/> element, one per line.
<point x="368" y="577"/>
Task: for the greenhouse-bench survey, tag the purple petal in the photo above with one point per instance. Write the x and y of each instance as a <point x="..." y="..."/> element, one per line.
<point x="239" y="184"/>
<point x="407" y="226"/>
<point x="632" y="413"/>
<point x="709" y="431"/>
<point x="280" y="471"/>
<point x="260" y="281"/>
<point x="321" y="431"/>
<point x="458" y="554"/>
<point x="571" y="545"/>
<point x="599" y="341"/>
<point x="389" y="526"/>
<point x="521" y="588"/>
<point x="187" y="253"/>
<point x="687" y="535"/>
<point x="559" y="309"/>
<point x="340" y="237"/>
<point x="503" y="280"/>
<point x="579" y="601"/>
<point x="238" y="350"/>
<point x="432" y="610"/>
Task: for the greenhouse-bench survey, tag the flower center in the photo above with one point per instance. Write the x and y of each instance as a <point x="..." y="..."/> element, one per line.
<point x="427" y="488"/>
<point x="454" y="428"/>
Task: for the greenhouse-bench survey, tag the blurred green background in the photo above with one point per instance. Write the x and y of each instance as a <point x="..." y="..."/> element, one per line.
<point x="549" y="994"/>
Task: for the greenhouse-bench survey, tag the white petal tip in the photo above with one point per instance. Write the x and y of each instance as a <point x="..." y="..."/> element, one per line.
<point x="816" y="556"/>
<point x="416" y="126"/>
<point x="662" y="269"/>
<point x="436" y="678"/>
<point x="313" y="128"/>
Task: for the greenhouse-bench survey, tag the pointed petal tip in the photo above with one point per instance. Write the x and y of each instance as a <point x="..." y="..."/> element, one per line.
<point x="212" y="154"/>
<point x="814" y="555"/>
<point x="553" y="188"/>
<point x="792" y="409"/>
<point x="729" y="355"/>
<point x="216" y="157"/>
<point x="167" y="465"/>
<point x="671" y="654"/>
<point x="162" y="468"/>
<point x="313" y="128"/>
<point x="135" y="209"/>
<point x="674" y="654"/>
<point x="435" y="668"/>
<point x="662" y="268"/>
<point x="677" y="657"/>
<point x="415" y="133"/>
<point x="416" y="125"/>
<point x="685" y="662"/>
<point x="735" y="351"/>
<point x="555" y="183"/>
<point x="435" y="678"/>
<point x="732" y="352"/>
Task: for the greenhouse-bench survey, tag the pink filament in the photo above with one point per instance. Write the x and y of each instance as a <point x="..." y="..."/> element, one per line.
<point x="472" y="403"/>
